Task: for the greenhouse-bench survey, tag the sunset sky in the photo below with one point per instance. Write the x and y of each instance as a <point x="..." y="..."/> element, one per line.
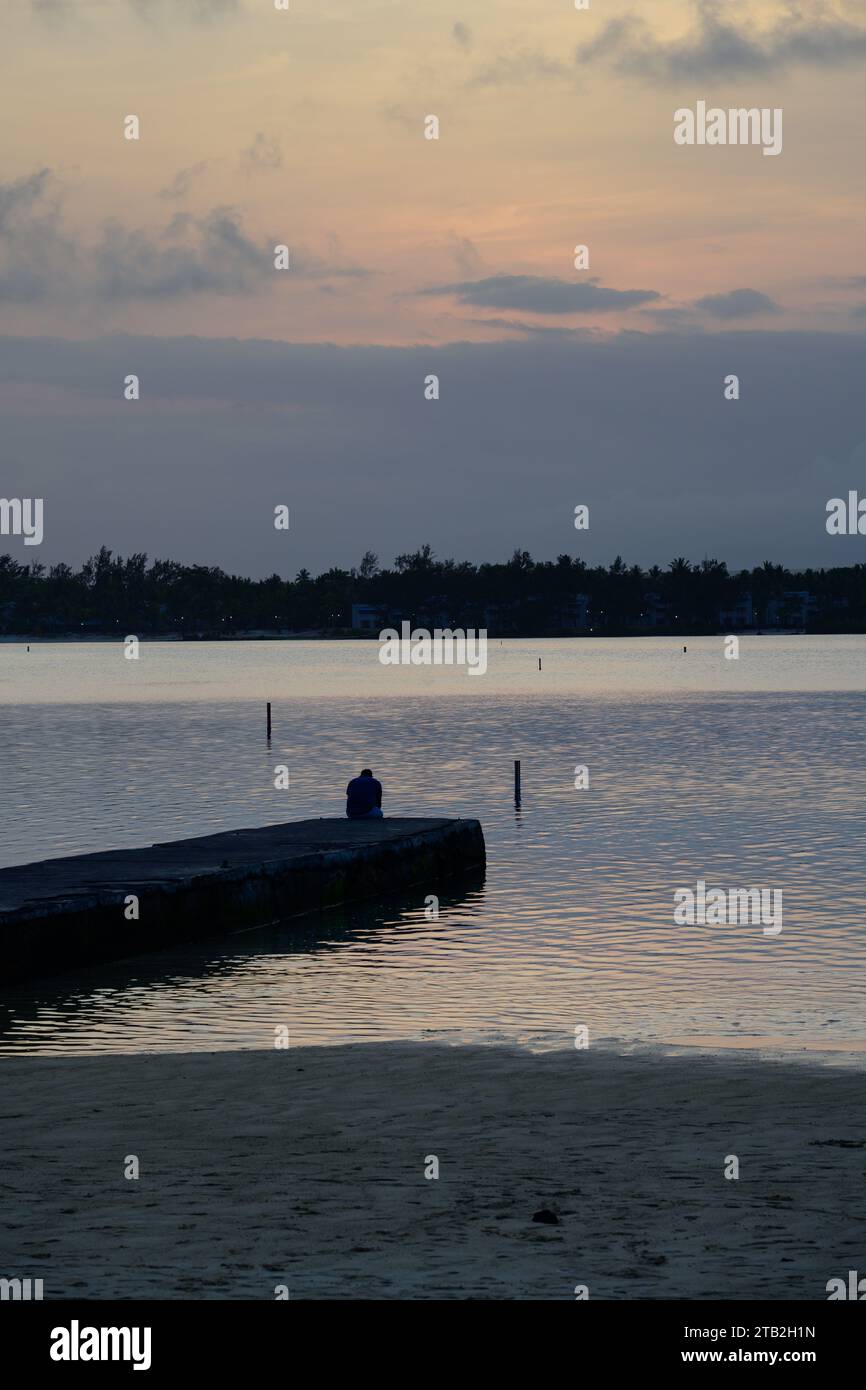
<point x="453" y="256"/>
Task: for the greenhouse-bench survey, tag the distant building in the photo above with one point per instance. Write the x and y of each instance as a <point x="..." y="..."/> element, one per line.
<point x="655" y="612"/>
<point x="793" y="609"/>
<point x="739" y="614"/>
<point x="573" y="614"/>
<point x="369" y="617"/>
<point x="434" y="612"/>
<point x="498" y="618"/>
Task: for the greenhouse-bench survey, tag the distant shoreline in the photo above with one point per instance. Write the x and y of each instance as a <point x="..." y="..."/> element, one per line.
<point x="343" y="635"/>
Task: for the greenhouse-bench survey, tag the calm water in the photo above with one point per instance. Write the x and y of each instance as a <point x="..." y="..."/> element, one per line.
<point x="749" y="772"/>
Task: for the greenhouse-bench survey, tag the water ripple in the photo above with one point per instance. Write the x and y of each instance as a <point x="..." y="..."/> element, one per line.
<point x="573" y="923"/>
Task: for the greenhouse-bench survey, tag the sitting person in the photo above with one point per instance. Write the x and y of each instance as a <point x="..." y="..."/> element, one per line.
<point x="364" y="797"/>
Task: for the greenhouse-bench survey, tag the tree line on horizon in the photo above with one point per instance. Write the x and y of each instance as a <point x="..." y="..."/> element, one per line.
<point x="521" y="596"/>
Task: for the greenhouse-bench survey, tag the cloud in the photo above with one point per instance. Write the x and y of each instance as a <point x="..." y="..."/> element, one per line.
<point x="21" y="196"/>
<point x="462" y="35"/>
<point x="40" y="259"/>
<point x="674" y="316"/>
<point x="644" y="413"/>
<point x="54" y="11"/>
<point x="262" y="155"/>
<point x="202" y="11"/>
<point x="533" y="294"/>
<point x="399" y="115"/>
<point x="209" y="254"/>
<point x="183" y="181"/>
<point x="34" y="250"/>
<point x="522" y="66"/>
<point x="537" y="330"/>
<point x="736" y="304"/>
<point x="465" y="254"/>
<point x="717" y="47"/>
<point x="199" y="11"/>
<point x="308" y="265"/>
<point x="192" y="255"/>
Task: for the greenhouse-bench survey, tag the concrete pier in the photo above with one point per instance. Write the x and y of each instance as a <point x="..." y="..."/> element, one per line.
<point x="62" y="913"/>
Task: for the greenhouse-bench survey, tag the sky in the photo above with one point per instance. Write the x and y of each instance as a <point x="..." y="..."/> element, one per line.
<point x="600" y="385"/>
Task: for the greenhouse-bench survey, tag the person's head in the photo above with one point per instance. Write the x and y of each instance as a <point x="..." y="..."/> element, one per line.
<point x="365" y="772"/>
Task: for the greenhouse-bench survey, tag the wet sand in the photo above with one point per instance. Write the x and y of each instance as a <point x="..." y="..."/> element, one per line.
<point x="305" y="1167"/>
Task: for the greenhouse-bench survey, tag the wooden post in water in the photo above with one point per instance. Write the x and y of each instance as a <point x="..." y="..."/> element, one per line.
<point x="517" y="781"/>
<point x="269" y="721"/>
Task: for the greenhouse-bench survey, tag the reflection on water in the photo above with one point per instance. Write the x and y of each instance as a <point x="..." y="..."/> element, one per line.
<point x="236" y="991"/>
<point x="615" y="667"/>
<point x="573" y="923"/>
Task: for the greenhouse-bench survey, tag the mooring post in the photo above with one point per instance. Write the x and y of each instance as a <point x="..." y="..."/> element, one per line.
<point x="269" y="721"/>
<point x="517" y="780"/>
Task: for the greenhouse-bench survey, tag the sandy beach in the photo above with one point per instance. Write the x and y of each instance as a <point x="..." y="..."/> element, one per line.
<point x="306" y="1167"/>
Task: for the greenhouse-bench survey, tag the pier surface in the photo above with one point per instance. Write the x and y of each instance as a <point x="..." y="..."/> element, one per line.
<point x="62" y="913"/>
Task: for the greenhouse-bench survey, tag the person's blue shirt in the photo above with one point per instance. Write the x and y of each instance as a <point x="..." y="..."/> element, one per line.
<point x="363" y="795"/>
